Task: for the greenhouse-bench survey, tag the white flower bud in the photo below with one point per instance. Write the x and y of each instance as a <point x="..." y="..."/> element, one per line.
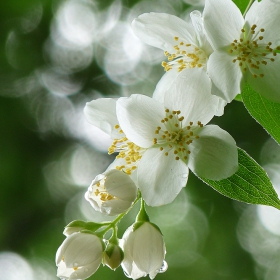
<point x="144" y="251"/>
<point x="79" y="256"/>
<point x="112" y="192"/>
<point x="113" y="256"/>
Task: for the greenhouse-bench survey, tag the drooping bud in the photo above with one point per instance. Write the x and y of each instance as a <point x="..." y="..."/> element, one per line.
<point x="112" y="192"/>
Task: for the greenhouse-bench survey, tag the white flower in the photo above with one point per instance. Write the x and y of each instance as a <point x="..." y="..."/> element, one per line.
<point x="112" y="192"/>
<point x="144" y="251"/>
<point x="79" y="256"/>
<point x="162" y="141"/>
<point x="184" y="44"/>
<point x="245" y="49"/>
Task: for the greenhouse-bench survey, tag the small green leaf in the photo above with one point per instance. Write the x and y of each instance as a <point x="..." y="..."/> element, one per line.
<point x="241" y="4"/>
<point x="264" y="111"/>
<point x="249" y="184"/>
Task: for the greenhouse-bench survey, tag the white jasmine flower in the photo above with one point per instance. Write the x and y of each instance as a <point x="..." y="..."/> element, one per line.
<point x="144" y="251"/>
<point x="185" y="45"/>
<point x="112" y="192"/>
<point x="162" y="141"/>
<point x="79" y="256"/>
<point x="246" y="50"/>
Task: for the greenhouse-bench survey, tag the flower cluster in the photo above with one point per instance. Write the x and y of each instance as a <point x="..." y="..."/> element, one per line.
<point x="158" y="139"/>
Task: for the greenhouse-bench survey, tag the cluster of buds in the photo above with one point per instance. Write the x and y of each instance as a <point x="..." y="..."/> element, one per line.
<point x="140" y="252"/>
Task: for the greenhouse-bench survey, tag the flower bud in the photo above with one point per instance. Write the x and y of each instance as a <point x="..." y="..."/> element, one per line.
<point x="113" y="256"/>
<point x="112" y="192"/>
<point x="79" y="256"/>
<point x="144" y="251"/>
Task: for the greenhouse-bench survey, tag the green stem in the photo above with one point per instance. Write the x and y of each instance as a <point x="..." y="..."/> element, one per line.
<point x="114" y="223"/>
<point x="248" y="7"/>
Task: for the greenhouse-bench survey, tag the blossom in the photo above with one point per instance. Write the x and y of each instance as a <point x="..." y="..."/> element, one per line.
<point x="112" y="192"/>
<point x="184" y="44"/>
<point x="162" y="141"/>
<point x="79" y="256"/>
<point x="245" y="49"/>
<point x="144" y="251"/>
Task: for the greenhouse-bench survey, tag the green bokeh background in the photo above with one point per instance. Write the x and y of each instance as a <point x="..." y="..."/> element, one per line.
<point x="31" y="221"/>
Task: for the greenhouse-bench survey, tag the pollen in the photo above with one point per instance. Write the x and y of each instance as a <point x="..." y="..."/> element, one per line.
<point x="128" y="151"/>
<point x="251" y="50"/>
<point x="174" y="136"/>
<point x="185" y="56"/>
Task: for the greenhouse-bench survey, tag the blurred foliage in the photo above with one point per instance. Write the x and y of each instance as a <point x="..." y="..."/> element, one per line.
<point x="32" y="220"/>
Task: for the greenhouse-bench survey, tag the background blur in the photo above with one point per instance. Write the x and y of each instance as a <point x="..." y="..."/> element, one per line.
<point x="57" y="55"/>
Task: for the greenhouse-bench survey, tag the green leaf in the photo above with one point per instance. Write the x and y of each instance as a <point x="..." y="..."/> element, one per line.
<point x="264" y="111"/>
<point x="249" y="184"/>
<point x="241" y="4"/>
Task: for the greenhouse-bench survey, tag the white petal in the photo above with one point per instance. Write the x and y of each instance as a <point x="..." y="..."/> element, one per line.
<point x="214" y="155"/>
<point x="148" y="248"/>
<point x="265" y="14"/>
<point x="159" y="30"/>
<point x="81" y="248"/>
<point x="160" y="177"/>
<point x="191" y="97"/>
<point x="86" y="271"/>
<point x="120" y="184"/>
<point x="102" y="114"/>
<point x="268" y="86"/>
<point x="197" y="22"/>
<point x="139" y="116"/>
<point x="225" y="74"/>
<point x="164" y="84"/>
<point x="223" y="22"/>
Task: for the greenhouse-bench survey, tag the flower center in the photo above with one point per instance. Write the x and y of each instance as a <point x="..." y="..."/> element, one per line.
<point x="251" y="51"/>
<point x="186" y="56"/>
<point x="174" y="137"/>
<point x="128" y="151"/>
<point x="99" y="190"/>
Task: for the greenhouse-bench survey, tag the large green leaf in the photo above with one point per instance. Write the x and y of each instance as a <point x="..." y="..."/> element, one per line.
<point x="266" y="112"/>
<point x="249" y="184"/>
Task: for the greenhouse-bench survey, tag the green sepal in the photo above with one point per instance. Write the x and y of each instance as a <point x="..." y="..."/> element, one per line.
<point x="92" y="226"/>
<point x="139" y="224"/>
<point x="250" y="184"/>
<point x="241" y="4"/>
<point x="264" y="111"/>
<point x="238" y="97"/>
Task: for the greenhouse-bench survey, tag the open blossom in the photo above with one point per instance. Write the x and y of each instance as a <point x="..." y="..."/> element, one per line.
<point x="245" y="50"/>
<point x="79" y="256"/>
<point x="185" y="46"/>
<point x="162" y="141"/>
<point x="144" y="251"/>
<point x="112" y="192"/>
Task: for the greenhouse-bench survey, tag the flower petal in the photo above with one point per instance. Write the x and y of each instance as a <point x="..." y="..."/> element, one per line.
<point x="265" y="14"/>
<point x="139" y="116"/>
<point x="160" y="178"/>
<point x="159" y="30"/>
<point x="223" y="22"/>
<point x="225" y="74"/>
<point x="164" y="84"/>
<point x="268" y="85"/>
<point x="102" y="114"/>
<point x="87" y="270"/>
<point x="149" y="251"/>
<point x="214" y="155"/>
<point x="191" y="97"/>
<point x="120" y="185"/>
